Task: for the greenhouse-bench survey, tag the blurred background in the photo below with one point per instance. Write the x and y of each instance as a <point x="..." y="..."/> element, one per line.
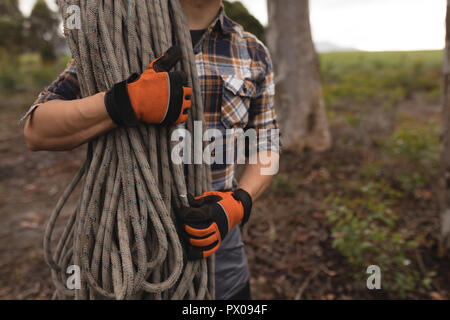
<point x="358" y="188"/>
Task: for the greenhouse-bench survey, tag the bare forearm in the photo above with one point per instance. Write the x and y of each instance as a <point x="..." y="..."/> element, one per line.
<point x="63" y="125"/>
<point x="255" y="179"/>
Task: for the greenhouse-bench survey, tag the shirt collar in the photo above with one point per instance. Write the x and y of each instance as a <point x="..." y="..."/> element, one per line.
<point x="222" y="23"/>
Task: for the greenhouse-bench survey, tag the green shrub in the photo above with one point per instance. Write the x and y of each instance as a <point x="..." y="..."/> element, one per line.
<point x="282" y="186"/>
<point x="414" y="151"/>
<point x="9" y="77"/>
<point x="27" y="71"/>
<point x="433" y="95"/>
<point x="372" y="170"/>
<point x="415" y="143"/>
<point x="352" y="119"/>
<point x="40" y="76"/>
<point x="8" y="80"/>
<point x="366" y="231"/>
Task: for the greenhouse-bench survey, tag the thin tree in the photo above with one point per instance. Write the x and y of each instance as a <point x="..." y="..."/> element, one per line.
<point x="299" y="100"/>
<point x="11" y="25"/>
<point x="445" y="157"/>
<point x="42" y="30"/>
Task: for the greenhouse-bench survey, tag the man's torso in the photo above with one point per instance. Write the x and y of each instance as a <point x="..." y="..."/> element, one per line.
<point x="235" y="75"/>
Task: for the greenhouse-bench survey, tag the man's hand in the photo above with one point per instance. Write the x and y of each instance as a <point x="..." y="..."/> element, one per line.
<point x="157" y="96"/>
<point x="209" y="218"/>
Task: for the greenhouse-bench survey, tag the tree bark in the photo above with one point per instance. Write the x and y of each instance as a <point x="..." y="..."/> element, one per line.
<point x="445" y="157"/>
<point x="299" y="101"/>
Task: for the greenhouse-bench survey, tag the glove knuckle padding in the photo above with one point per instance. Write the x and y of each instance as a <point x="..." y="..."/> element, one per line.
<point x="208" y="252"/>
<point x="186" y="105"/>
<point x="199" y="232"/>
<point x="203" y="242"/>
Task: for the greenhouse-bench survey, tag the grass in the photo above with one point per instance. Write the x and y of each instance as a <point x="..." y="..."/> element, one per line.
<point x="366" y="216"/>
<point x="413" y="149"/>
<point x="382" y="78"/>
<point x="27" y="72"/>
<point x="367" y="231"/>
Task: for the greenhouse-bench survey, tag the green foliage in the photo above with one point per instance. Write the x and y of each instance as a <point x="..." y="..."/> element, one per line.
<point x="352" y="119"/>
<point x="372" y="170"/>
<point x="414" y="150"/>
<point x="9" y="77"/>
<point x="281" y="185"/>
<point x="11" y="25"/>
<point x="362" y="91"/>
<point x="366" y="230"/>
<point x="10" y="7"/>
<point x="414" y="142"/>
<point x="239" y="13"/>
<point x="37" y="33"/>
<point x="27" y="72"/>
<point x="379" y="78"/>
<point x="43" y="28"/>
<point x="372" y="84"/>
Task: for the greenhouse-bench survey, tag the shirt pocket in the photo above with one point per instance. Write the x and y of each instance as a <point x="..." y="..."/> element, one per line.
<point x="236" y="99"/>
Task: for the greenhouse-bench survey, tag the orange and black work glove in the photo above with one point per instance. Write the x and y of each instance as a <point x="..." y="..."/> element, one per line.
<point x="209" y="218"/>
<point x="156" y="96"/>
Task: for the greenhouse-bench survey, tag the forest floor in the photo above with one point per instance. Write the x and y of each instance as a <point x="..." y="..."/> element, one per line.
<point x="291" y="238"/>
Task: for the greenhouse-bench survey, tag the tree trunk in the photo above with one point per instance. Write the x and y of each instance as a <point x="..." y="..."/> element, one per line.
<point x="299" y="102"/>
<point x="445" y="158"/>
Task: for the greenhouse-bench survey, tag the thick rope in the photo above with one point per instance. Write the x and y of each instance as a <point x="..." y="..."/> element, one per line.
<point x="122" y="234"/>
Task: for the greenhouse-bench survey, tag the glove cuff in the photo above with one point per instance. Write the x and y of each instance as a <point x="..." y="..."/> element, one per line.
<point x="118" y="104"/>
<point x="246" y="200"/>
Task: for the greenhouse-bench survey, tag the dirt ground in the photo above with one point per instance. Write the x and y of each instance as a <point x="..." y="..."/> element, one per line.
<point x="288" y="242"/>
<point x="290" y="250"/>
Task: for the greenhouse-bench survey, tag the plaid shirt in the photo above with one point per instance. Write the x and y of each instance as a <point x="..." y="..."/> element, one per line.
<point x="237" y="82"/>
